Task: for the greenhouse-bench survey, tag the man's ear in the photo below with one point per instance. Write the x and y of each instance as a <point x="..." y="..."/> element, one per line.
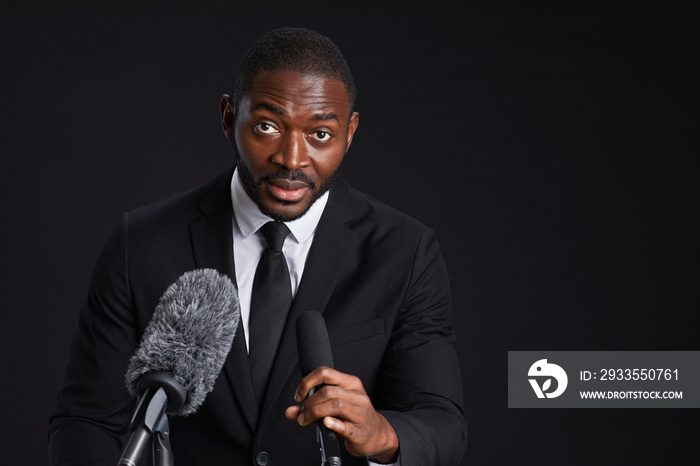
<point x="228" y="113"/>
<point x="352" y="126"/>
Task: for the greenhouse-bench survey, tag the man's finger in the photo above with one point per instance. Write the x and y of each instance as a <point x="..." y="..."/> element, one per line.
<point x="293" y="412"/>
<point x="325" y="375"/>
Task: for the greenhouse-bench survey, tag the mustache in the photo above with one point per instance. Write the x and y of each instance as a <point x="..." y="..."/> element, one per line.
<point x="291" y="175"/>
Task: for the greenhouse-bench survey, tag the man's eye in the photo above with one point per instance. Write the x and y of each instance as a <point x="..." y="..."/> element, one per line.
<point x="265" y="128"/>
<point x="321" y="136"/>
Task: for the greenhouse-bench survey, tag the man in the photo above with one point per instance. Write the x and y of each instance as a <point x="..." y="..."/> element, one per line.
<point x="375" y="274"/>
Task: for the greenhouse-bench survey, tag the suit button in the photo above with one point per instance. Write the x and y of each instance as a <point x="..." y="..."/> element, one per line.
<point x="263" y="458"/>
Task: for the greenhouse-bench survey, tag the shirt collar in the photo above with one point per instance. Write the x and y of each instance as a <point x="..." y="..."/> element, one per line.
<point x="249" y="218"/>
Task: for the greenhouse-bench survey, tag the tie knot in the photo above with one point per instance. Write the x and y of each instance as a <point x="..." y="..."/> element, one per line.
<point x="275" y="233"/>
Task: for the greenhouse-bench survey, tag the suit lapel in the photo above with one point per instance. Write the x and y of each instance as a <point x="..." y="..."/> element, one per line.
<point x="324" y="264"/>
<point x="212" y="243"/>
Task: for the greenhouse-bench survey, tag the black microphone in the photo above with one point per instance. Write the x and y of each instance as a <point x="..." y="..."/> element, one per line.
<point x="181" y="353"/>
<point x="315" y="351"/>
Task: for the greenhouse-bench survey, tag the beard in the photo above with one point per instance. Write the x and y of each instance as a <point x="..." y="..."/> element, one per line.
<point x="252" y="187"/>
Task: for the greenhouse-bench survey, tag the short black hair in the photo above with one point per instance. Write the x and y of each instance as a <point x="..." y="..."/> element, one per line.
<point x="293" y="49"/>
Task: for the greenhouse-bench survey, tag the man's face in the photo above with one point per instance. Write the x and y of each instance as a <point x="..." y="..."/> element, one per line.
<point x="291" y="132"/>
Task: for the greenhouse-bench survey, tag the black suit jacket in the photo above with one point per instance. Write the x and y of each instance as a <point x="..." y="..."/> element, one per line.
<point x="376" y="275"/>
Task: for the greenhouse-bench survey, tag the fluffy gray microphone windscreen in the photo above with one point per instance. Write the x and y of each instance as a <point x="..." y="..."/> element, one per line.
<point x="189" y="335"/>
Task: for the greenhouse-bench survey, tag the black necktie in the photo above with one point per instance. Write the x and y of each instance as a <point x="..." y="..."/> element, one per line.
<point x="270" y="303"/>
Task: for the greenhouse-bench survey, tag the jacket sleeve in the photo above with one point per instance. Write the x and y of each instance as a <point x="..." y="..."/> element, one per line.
<point x="420" y="370"/>
<point x="93" y="406"/>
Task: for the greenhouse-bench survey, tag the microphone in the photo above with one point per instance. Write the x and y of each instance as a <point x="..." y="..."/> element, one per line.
<point x="314" y="351"/>
<point x="179" y="358"/>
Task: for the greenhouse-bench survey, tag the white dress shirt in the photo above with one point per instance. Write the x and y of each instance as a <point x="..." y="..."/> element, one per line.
<point x="248" y="245"/>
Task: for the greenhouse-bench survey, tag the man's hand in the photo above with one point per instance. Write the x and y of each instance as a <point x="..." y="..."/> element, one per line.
<point x="346" y="409"/>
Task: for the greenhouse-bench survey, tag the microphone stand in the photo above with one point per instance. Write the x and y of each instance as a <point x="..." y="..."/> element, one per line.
<point x="327" y="441"/>
<point x="323" y="445"/>
<point x="162" y="453"/>
<point x="150" y="418"/>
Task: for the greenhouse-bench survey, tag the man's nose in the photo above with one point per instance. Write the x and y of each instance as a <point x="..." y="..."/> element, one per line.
<point x="293" y="151"/>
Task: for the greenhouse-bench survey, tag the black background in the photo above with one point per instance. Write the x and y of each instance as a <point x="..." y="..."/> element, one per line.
<point x="555" y="156"/>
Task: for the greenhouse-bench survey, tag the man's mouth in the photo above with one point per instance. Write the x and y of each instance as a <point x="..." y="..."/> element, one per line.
<point x="287" y="190"/>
